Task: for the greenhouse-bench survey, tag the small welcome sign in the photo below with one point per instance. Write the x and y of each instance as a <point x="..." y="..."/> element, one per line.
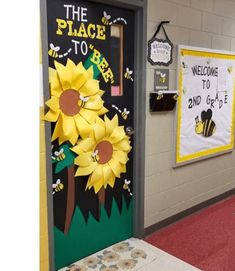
<point x="160" y="51"/>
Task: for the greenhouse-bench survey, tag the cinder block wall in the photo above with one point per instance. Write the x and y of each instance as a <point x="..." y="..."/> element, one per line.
<point x="204" y="23"/>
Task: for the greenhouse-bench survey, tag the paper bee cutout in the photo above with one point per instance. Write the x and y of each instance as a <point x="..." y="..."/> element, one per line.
<point x="206" y="126"/>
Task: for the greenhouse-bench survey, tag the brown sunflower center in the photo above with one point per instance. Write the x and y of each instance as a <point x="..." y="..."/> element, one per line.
<point x="69" y="102"/>
<point x="105" y="151"/>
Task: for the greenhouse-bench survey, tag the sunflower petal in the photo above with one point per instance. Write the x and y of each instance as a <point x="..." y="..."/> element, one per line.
<point x="112" y="181"/>
<point x="84" y="171"/>
<point x="65" y="73"/>
<point x="84" y="145"/>
<point x="116" y="167"/>
<point x="123" y="145"/>
<point x="121" y="156"/>
<point x="123" y="166"/>
<point x="55" y="86"/>
<point x="69" y="126"/>
<point x="102" y="111"/>
<point x="97" y="175"/>
<point x="108" y="174"/>
<point x="80" y="76"/>
<point x="73" y="139"/>
<point x="83" y="126"/>
<point x="90" y="72"/>
<point x="117" y="135"/>
<point x="95" y="103"/>
<point x="53" y="103"/>
<point x="91" y="87"/>
<point x="88" y="115"/>
<point x="110" y="124"/>
<point x="58" y="129"/>
<point x="51" y="116"/>
<point x="98" y="186"/>
<point x="99" y="131"/>
<point x="83" y="160"/>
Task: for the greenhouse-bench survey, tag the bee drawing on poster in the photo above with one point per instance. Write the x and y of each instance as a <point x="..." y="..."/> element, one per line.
<point x="106" y="17"/>
<point x="57" y="187"/>
<point x="184" y="67"/>
<point x="206" y="126"/>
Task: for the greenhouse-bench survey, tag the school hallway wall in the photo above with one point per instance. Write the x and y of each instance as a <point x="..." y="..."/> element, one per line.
<point x="168" y="191"/>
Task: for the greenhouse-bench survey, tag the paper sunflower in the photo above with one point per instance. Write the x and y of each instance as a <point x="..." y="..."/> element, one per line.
<point x="75" y="101"/>
<point x="104" y="154"/>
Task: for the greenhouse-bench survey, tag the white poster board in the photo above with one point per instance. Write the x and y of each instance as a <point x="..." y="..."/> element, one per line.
<point x="206" y="105"/>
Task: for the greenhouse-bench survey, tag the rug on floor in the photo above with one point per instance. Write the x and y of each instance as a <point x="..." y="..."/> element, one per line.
<point x="126" y="255"/>
<point x="205" y="239"/>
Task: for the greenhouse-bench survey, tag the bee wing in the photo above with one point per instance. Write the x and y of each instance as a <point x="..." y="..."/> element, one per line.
<point x="61" y="150"/>
<point x="56" y="153"/>
<point x="57" y="48"/>
<point x="127" y="69"/>
<point x="127" y="112"/>
<point x="58" y="181"/>
<point x="94" y="153"/>
<point x="130" y="72"/>
<point x="127" y="181"/>
<point x="106" y="15"/>
<point x="52" y="46"/>
<point x="54" y="185"/>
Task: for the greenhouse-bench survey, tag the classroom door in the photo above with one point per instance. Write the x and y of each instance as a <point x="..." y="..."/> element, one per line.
<point x="91" y="79"/>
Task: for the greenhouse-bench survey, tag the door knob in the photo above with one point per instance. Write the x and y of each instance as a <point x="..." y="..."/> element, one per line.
<point x="129" y="131"/>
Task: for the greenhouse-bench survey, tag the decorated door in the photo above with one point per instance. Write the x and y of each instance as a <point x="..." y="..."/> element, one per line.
<point x="91" y="62"/>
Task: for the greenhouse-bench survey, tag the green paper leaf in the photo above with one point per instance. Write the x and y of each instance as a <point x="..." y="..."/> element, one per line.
<point x="69" y="158"/>
<point x="88" y="63"/>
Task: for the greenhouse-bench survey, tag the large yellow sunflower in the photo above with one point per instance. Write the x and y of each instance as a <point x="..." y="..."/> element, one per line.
<point x="104" y="154"/>
<point x="75" y="101"/>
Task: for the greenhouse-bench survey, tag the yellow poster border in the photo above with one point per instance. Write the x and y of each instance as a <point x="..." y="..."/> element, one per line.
<point x="186" y="158"/>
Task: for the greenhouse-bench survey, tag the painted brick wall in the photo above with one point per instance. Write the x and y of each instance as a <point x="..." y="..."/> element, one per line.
<point x="204" y="23"/>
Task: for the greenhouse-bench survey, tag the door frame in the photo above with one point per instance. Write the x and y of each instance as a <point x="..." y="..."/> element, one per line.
<point x="140" y="9"/>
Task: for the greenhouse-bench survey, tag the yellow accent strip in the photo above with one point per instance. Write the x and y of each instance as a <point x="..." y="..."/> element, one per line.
<point x="179" y="118"/>
<point x="180" y="159"/>
<point x="44" y="245"/>
<point x="207" y="54"/>
<point x="203" y="153"/>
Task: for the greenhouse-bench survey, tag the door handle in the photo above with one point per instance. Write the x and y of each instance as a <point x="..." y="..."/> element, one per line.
<point x="129" y="131"/>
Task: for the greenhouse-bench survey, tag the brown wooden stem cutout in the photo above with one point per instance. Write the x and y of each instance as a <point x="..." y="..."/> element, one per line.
<point x="101" y="195"/>
<point x="70" y="199"/>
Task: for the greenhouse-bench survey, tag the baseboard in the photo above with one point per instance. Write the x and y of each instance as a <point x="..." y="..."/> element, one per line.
<point x="187" y="212"/>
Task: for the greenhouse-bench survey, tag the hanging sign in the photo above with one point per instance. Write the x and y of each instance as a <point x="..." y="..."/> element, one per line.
<point x="206" y="104"/>
<point x="160" y="51"/>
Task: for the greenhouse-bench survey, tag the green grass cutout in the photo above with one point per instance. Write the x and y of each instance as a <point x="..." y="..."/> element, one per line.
<point x="85" y="239"/>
